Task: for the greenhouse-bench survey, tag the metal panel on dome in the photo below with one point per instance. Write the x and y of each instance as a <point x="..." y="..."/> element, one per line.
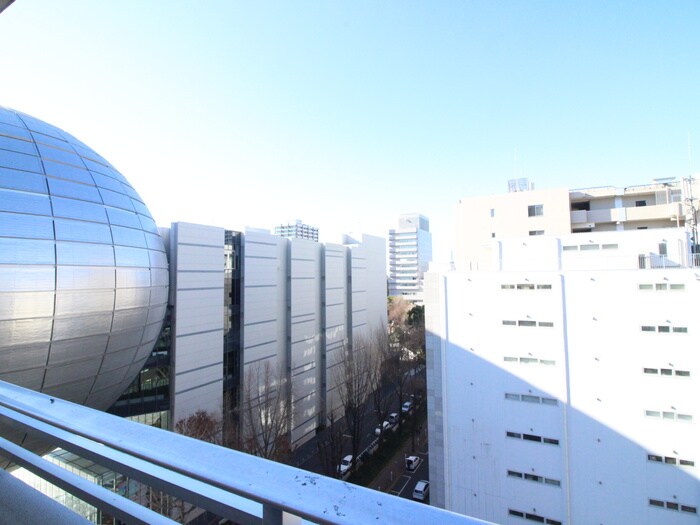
<point x="79" y="309"/>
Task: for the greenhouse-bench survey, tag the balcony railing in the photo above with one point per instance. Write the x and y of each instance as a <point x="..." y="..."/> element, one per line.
<point x="236" y="486"/>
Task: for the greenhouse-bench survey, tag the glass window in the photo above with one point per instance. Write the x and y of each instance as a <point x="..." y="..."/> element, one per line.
<point x="535" y="210"/>
<point x="509" y="323"/>
<point x="609" y="246"/>
<point x="679" y="329"/>
<point x="124" y="218"/>
<point x="532" y="233"/>
<point x="651" y="370"/>
<point x="526" y="323"/>
<point x="128" y="237"/>
<point x="103" y="181"/>
<point x="14" y="131"/>
<point x="664" y="329"/>
<point x="589" y="247"/>
<point x="20" y="161"/>
<point x="654" y="457"/>
<point x="530" y="399"/>
<point x="646" y="286"/>
<point x="546" y="324"/>
<point x="570" y="248"/>
<point x="661" y="286"/>
<point x="131" y="256"/>
<point x="32" y="182"/>
<point x="648" y="328"/>
<point x="677" y="287"/>
<point x="59" y="155"/>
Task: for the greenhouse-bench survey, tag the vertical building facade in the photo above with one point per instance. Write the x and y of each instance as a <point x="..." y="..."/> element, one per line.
<point x="561" y="375"/>
<point x="243" y="304"/>
<point x="410" y="252"/>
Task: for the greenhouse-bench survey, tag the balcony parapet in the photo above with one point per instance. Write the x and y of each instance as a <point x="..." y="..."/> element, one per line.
<point x="231" y="484"/>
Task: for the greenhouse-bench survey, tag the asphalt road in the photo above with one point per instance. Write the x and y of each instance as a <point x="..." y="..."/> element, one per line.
<point x="406" y="482"/>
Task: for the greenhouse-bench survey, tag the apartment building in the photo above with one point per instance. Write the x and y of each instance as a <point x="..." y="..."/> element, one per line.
<point x="562" y="381"/>
<point x="660" y="204"/>
<point x="410" y="251"/>
<point x="297" y="230"/>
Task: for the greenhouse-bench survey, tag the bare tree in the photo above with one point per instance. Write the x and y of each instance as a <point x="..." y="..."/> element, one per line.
<point x="351" y="379"/>
<point x="266" y="413"/>
<point x="378" y="374"/>
<point x="201" y="425"/>
<point x="330" y="446"/>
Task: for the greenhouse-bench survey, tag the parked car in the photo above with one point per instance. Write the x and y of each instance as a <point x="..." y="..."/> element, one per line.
<point x="407" y="407"/>
<point x="393" y="418"/>
<point x="345" y="465"/>
<point x="382" y="428"/>
<point x="422" y="490"/>
<point x="412" y="463"/>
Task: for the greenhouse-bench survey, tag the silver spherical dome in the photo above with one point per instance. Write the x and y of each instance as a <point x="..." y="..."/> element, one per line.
<point x="83" y="271"/>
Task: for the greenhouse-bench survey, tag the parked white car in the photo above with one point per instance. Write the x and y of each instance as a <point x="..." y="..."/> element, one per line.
<point x="393" y="418"/>
<point x="421" y="491"/>
<point x="382" y="428"/>
<point x="407" y="407"/>
<point x="345" y="465"/>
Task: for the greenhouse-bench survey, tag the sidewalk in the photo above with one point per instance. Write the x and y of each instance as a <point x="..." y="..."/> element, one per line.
<point x="392" y="472"/>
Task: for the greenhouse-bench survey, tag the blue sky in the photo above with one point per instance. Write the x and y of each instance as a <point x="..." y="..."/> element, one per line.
<point x="346" y="114"/>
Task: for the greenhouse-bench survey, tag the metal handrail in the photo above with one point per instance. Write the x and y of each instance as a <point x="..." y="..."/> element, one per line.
<point x="231" y="484"/>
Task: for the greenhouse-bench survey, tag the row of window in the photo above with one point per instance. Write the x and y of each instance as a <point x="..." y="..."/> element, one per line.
<point x="533" y="517"/>
<point x="532" y="437"/>
<point x="668" y="415"/>
<point x="526" y="286"/>
<point x="667" y="372"/>
<point x="672" y="505"/>
<point x="532" y="399"/>
<point x="671" y="460"/>
<point x="660" y="287"/>
<point x="588" y="247"/>
<point x="529" y="361"/>
<point x="534" y="477"/>
<point x="665" y="329"/>
<point x="528" y="322"/>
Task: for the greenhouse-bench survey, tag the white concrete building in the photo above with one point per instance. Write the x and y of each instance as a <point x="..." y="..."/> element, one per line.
<point x="661" y="204"/>
<point x="301" y="304"/>
<point x="410" y="251"/>
<point x="297" y="230"/>
<point x="562" y="377"/>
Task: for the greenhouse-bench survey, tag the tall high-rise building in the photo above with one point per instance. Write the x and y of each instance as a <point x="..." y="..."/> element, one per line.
<point x="297" y="230"/>
<point x="410" y="252"/>
<point x="561" y="371"/>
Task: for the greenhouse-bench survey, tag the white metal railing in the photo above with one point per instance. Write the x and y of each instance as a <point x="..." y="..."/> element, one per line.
<point x="236" y="486"/>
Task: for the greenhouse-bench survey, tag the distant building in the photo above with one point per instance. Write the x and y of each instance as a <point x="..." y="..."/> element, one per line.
<point x="410" y="252"/>
<point x="560" y="366"/>
<point x="297" y="230"/>
<point x="241" y="300"/>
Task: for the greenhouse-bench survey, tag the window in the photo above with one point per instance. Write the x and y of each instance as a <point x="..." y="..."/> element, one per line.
<point x="654" y="457"/>
<point x="569" y="248"/>
<point x="530" y="399"/>
<point x="514" y="397"/>
<point x="648" y="329"/>
<point x="535" y="210"/>
<point x="639" y="204"/>
<point x="646" y="286"/>
<point x="493" y="235"/>
<point x="544" y="286"/>
<point x="508" y="323"/>
<point x="683" y="373"/>
<point x="651" y="371"/>
<point x="526" y="323"/>
<point x="492" y="212"/>
<point x="536" y="232"/>
<point x="547" y="362"/>
<point x="507" y="286"/>
<point x="546" y="324"/>
<point x="514" y="435"/>
<point x="661" y="286"/>
<point x="528" y="360"/>
<point x="677" y="287"/>
<point x="656" y="502"/>
<point x="589" y="247"/>
<point x="687" y="463"/>
<point x="666" y="372"/>
<point x="610" y="247"/>
<point x="664" y="329"/>
<point x="663" y="249"/>
<point x="550" y="401"/>
<point x="526" y="286"/>
<point x="680" y="330"/>
<point x="514" y="474"/>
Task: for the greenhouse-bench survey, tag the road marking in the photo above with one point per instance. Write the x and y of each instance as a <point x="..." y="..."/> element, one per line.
<point x="398" y="492"/>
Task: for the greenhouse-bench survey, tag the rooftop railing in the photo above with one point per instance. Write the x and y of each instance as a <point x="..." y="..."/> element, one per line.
<point x="230" y="484"/>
